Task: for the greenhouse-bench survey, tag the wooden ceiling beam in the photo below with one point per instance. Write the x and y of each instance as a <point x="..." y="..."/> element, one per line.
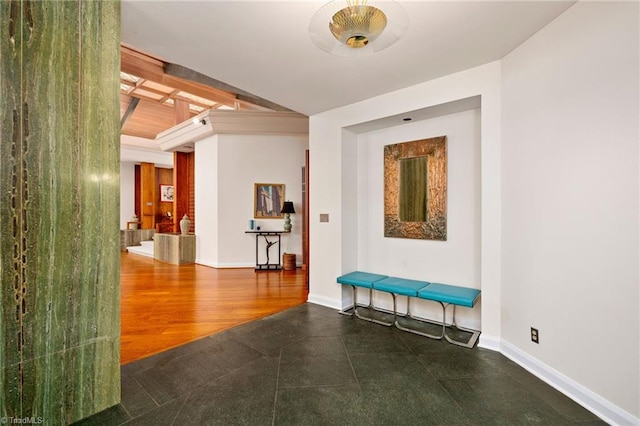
<point x="169" y="96"/>
<point x="143" y="96"/>
<point x="181" y="111"/>
<point x="152" y="90"/>
<point x="148" y="68"/>
<point x="191" y="101"/>
<point x="140" y="65"/>
<point x="148" y="113"/>
<point x="201" y="90"/>
<point x="173" y="95"/>
<point x="186" y="74"/>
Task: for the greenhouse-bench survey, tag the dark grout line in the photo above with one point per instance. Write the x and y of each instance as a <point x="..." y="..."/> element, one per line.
<point x="147" y="392"/>
<point x="179" y="410"/>
<point x="353" y="370"/>
<point x="275" y="393"/>
<point x="328" y="385"/>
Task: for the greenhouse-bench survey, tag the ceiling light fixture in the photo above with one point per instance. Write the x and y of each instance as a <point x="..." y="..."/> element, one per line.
<point x="197" y="121"/>
<point x="357" y="27"/>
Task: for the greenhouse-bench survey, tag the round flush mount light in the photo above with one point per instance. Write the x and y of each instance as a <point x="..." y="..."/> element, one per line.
<point x="357" y="27"/>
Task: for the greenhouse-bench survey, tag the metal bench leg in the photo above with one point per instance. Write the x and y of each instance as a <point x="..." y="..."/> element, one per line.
<point x="411" y="330"/>
<point x="409" y="315"/>
<point x="417" y="318"/>
<point x="357" y="314"/>
<point x="474" y="333"/>
<point x="350" y="314"/>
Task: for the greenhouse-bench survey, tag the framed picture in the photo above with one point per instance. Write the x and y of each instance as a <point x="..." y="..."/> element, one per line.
<point x="415" y="189"/>
<point x="267" y="200"/>
<point x="166" y="193"/>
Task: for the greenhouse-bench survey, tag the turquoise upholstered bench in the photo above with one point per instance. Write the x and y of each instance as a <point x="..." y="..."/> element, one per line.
<point x="403" y="287"/>
<point x="444" y="294"/>
<point x="364" y="280"/>
<point x="451" y="295"/>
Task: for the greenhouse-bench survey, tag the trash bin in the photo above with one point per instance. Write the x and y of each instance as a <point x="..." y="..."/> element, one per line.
<point x="289" y="261"/>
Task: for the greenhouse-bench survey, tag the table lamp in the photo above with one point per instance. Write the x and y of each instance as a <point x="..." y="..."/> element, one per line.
<point x="287" y="209"/>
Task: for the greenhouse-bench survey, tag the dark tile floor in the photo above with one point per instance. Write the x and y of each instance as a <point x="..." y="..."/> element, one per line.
<point x="310" y="365"/>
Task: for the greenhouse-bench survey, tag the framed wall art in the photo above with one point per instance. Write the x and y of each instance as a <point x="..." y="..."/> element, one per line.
<point x="415" y="189"/>
<point x="267" y="200"/>
<point x="166" y="193"/>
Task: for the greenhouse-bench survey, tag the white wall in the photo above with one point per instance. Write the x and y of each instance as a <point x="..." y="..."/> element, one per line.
<point x="138" y="154"/>
<point x="454" y="261"/>
<point x="206" y="194"/>
<point x="127" y="193"/>
<point x="242" y="161"/>
<point x="335" y="249"/>
<point x="570" y="264"/>
<point x="566" y="257"/>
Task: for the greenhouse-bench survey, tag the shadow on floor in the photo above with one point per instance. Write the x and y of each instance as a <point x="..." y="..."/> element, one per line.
<point x="310" y="365"/>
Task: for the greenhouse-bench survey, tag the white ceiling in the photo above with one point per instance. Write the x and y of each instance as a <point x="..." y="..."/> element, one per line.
<point x="263" y="47"/>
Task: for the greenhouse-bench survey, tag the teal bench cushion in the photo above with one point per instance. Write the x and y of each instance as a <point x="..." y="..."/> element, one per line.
<point x="455" y="295"/>
<point x="360" y="279"/>
<point x="400" y="286"/>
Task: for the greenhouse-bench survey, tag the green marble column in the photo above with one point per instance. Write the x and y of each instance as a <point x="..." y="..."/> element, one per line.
<point x="59" y="209"/>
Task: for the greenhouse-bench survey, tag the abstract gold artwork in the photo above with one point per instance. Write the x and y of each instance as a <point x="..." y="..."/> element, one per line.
<point x="415" y="189"/>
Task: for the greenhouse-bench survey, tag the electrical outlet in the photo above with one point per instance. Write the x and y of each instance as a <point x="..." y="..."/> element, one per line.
<point x="535" y="337"/>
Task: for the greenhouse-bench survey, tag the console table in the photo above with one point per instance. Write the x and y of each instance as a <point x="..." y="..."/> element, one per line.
<point x="267" y="266"/>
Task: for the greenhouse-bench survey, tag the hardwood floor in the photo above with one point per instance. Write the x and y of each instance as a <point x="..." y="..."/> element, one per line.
<point x="164" y="305"/>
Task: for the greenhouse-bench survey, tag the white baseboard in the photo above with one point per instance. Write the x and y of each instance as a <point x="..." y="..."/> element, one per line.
<point x="591" y="401"/>
<point x="489" y="342"/>
<point x="601" y="407"/>
<point x="235" y="265"/>
<point x="323" y="301"/>
<point x="231" y="265"/>
<point x="206" y="263"/>
<point x="224" y="265"/>
<point x="141" y="250"/>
